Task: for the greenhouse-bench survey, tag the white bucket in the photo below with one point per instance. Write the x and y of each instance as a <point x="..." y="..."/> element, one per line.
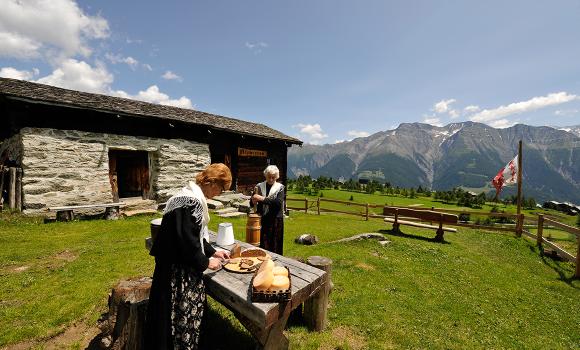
<point x="225" y="234"/>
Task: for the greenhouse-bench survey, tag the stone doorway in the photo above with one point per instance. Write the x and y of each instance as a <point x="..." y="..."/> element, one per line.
<point x="129" y="174"/>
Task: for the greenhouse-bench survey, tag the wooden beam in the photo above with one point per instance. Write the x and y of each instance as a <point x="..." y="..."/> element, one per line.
<point x="18" y="190"/>
<point x="540" y="229"/>
<point x="12" y="189"/>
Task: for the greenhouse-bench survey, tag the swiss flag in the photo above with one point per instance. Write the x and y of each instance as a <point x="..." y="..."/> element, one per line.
<point x="506" y="176"/>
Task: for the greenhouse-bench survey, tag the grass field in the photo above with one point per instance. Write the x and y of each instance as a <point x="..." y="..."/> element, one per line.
<point x="476" y="290"/>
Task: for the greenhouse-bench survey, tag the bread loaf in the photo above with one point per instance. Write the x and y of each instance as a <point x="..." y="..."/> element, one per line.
<point x="266" y="265"/>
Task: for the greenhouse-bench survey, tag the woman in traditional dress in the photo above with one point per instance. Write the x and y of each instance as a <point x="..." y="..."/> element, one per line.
<point x="270" y="200"/>
<point x="182" y="252"/>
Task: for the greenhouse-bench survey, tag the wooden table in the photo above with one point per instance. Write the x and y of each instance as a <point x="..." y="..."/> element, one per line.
<point x="265" y="321"/>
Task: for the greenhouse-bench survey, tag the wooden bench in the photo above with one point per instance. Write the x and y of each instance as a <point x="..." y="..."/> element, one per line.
<point x="67" y="213"/>
<point x="422" y="215"/>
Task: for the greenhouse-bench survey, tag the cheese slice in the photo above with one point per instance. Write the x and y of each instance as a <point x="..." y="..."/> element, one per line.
<point x="280" y="283"/>
<point x="263" y="280"/>
<point x="280" y="271"/>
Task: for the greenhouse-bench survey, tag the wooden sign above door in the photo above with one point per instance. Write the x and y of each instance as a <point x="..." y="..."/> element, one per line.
<point x="245" y="152"/>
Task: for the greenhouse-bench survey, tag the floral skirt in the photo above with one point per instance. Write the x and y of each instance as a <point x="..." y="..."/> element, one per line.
<point x="187" y="306"/>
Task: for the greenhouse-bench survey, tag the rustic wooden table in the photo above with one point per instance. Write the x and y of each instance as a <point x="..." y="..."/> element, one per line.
<point x="265" y="321"/>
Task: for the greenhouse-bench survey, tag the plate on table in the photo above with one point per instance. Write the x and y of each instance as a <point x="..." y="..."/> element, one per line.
<point x="243" y="264"/>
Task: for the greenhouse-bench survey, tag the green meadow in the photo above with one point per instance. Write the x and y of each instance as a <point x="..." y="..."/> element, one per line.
<point x="478" y="289"/>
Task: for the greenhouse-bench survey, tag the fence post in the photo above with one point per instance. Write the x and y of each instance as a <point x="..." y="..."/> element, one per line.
<point x="306" y="205"/>
<point x="367" y="212"/>
<point x="540" y="229"/>
<point x="519" y="224"/>
<point x="12" y="189"/>
<point x="318" y="205"/>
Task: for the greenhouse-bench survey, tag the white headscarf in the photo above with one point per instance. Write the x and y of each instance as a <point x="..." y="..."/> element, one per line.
<point x="186" y="196"/>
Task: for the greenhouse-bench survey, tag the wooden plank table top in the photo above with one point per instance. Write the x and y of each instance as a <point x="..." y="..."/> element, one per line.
<point x="233" y="289"/>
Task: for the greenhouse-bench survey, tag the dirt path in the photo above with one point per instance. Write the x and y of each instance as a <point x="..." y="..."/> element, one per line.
<point x="79" y="335"/>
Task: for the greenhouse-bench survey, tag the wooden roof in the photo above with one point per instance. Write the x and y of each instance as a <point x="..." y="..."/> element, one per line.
<point x="40" y="93"/>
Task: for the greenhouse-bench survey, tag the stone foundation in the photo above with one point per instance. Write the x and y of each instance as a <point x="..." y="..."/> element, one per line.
<point x="68" y="167"/>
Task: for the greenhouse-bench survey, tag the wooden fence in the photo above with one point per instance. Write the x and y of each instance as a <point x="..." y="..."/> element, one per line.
<point x="521" y="224"/>
<point x="11" y="184"/>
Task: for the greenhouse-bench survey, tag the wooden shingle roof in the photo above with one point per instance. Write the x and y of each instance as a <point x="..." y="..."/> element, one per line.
<point x="40" y="93"/>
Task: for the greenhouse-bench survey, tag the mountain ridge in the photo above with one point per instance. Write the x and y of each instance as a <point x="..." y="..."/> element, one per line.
<point x="466" y="154"/>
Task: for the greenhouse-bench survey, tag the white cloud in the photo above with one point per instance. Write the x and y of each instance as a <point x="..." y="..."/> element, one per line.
<point x="313" y="132"/>
<point x="355" y="133"/>
<point x="432" y="120"/>
<point x="256" y="47"/>
<point x="169" y="75"/>
<point x="148" y="67"/>
<point x="339" y="141"/>
<point x="18" y="46"/>
<point x="79" y="75"/>
<point x="9" y="72"/>
<point x="471" y="109"/>
<point x="490" y="115"/>
<point x="130" y="61"/>
<point x="443" y="106"/>
<point x="454" y="114"/>
<point x="153" y="95"/>
<point x="502" y="123"/>
<point x="52" y="28"/>
<point x="565" y="112"/>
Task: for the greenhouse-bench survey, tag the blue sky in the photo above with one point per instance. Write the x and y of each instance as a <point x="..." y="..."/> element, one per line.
<point x="323" y="71"/>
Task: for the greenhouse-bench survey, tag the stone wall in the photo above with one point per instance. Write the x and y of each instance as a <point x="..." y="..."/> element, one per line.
<point x="68" y="167"/>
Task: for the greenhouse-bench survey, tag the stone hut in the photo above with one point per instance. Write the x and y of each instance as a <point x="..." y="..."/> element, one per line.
<point x="77" y="148"/>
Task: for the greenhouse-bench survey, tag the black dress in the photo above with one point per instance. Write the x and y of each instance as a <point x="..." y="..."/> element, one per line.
<point x="272" y="212"/>
<point x="177" y="299"/>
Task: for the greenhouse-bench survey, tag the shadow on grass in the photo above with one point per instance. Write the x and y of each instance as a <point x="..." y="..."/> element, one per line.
<point x="408" y="235"/>
<point x="218" y="332"/>
<point x="565" y="275"/>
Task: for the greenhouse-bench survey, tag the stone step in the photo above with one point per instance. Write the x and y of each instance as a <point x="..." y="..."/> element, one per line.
<point x="233" y="215"/>
<point x="226" y="210"/>
<point x="138" y="203"/>
<point x="213" y="204"/>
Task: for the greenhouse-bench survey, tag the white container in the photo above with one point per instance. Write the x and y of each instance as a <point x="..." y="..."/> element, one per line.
<point x="225" y="235"/>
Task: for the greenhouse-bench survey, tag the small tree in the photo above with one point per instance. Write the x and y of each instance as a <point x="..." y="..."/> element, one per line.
<point x="351" y="198"/>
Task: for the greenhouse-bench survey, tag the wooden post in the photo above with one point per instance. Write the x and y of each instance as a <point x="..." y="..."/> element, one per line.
<point x="367" y="212"/>
<point x="315" y="308"/>
<point x="520" y="224"/>
<point x="318" y="205"/>
<point x="18" y="190"/>
<point x="306" y="205"/>
<point x="1" y="187"/>
<point x="12" y="189"/>
<point x="577" y="274"/>
<point x="540" y="229"/>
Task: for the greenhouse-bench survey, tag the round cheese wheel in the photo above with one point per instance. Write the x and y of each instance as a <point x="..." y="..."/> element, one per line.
<point x="263" y="280"/>
<point x="279" y="283"/>
<point x="280" y="271"/>
<point x="266" y="265"/>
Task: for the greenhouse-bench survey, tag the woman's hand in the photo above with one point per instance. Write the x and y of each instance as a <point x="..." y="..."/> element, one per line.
<point x="221" y="254"/>
<point x="257" y="198"/>
<point x="214" y="264"/>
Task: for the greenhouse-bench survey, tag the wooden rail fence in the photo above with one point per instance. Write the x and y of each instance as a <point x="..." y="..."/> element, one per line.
<point x="522" y="223"/>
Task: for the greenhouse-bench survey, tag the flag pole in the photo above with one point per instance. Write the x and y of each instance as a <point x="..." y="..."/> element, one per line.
<point x="520" y="222"/>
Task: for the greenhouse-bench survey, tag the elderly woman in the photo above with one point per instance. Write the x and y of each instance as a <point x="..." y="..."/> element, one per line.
<point x="270" y="199"/>
<point x="182" y="252"/>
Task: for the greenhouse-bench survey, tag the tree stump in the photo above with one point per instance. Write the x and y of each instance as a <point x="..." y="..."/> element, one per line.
<point x="315" y="308"/>
<point x="122" y="327"/>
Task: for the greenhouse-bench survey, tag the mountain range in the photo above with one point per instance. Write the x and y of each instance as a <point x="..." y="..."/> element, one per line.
<point x="466" y="155"/>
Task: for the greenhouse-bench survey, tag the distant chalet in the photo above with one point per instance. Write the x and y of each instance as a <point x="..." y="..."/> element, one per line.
<point x="81" y="148"/>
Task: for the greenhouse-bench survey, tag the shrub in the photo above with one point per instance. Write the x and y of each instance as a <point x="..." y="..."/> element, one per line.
<point x="351" y="198"/>
<point x="464" y="217"/>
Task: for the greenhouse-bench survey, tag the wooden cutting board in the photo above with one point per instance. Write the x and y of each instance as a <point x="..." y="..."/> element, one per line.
<point x="235" y="266"/>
